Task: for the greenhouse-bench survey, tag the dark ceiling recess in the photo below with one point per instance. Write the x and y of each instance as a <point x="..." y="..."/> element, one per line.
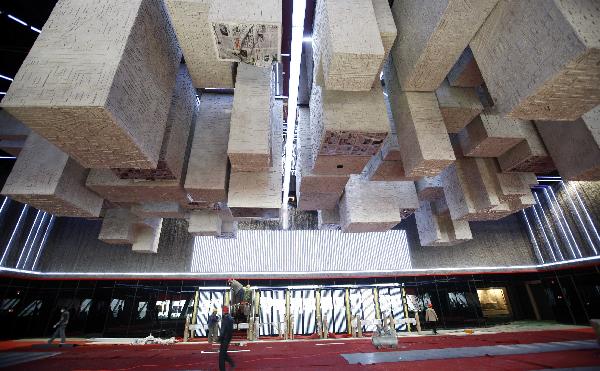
<point x="17" y="38"/>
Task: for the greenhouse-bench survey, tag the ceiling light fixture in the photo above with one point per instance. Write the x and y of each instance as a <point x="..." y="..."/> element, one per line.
<point x="298" y="11"/>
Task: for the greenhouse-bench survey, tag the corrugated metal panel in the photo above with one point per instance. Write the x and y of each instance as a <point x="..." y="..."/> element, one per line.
<point x="306" y="251"/>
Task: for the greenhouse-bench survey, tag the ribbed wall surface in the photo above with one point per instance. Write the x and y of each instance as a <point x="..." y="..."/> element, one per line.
<point x="305" y="251"/>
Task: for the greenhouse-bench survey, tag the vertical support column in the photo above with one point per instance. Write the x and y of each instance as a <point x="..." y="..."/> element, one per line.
<point x="348" y="312"/>
<point x="405" y="308"/>
<point x="318" y="313"/>
<point x="376" y="299"/>
<point x="536" y="311"/>
<point x="195" y="313"/>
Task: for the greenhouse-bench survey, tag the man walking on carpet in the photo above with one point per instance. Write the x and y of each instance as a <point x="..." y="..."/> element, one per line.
<point x="213" y="327"/>
<point x="431" y="318"/>
<point x="60" y="326"/>
<point x="225" y="339"/>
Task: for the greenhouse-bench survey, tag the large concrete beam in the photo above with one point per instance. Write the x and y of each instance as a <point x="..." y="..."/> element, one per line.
<point x="147" y="237"/>
<point x="465" y="72"/>
<point x="432" y="36"/>
<point x="12" y="129"/>
<point x="539" y="58"/>
<point x="369" y="206"/>
<point x="46" y="178"/>
<point x="577" y="158"/>
<point x="424" y="143"/>
<point x="117" y="227"/>
<point x="177" y="132"/>
<point x="249" y="147"/>
<point x="529" y="155"/>
<point x="491" y="135"/>
<point x="387" y="30"/>
<point x="204" y="223"/>
<point x="106" y="109"/>
<point x="348" y="45"/>
<point x="459" y="106"/>
<point x="195" y="35"/>
<point x="159" y="210"/>
<point x="206" y="178"/>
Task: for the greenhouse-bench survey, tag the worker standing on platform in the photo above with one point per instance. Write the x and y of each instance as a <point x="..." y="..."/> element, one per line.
<point x="431" y="318"/>
<point x="60" y="326"/>
<point x="225" y="339"/>
<point x="213" y="327"/>
<point x="238" y="291"/>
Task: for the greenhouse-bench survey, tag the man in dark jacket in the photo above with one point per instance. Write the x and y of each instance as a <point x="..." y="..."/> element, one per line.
<point x="60" y="326"/>
<point x="225" y="338"/>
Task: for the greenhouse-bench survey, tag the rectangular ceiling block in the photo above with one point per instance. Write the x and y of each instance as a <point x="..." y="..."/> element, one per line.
<point x="329" y="219"/>
<point x="430" y="188"/>
<point x="438" y="229"/>
<point x="107" y="184"/>
<point x="117" y="227"/>
<point x="347" y="128"/>
<point x="379" y="169"/>
<point x="46" y="178"/>
<point x="433" y="35"/>
<point x="12" y="129"/>
<point x="314" y="200"/>
<point x="12" y="147"/>
<point x="349" y="45"/>
<point x="159" y="210"/>
<point x="177" y="132"/>
<point x="424" y="143"/>
<point x="578" y="157"/>
<point x="369" y="206"/>
<point x="491" y="135"/>
<point x="387" y="29"/>
<point x="195" y="35"/>
<point x="529" y="155"/>
<point x="98" y="82"/>
<point x="249" y="147"/>
<point x="147" y="238"/>
<point x="204" y="223"/>
<point x="459" y="106"/>
<point x="539" y="58"/>
<point x="465" y="72"/>
<point x="256" y="193"/>
<point x="206" y="178"/>
<point x="247" y="31"/>
<point x="390" y="149"/>
<point x="307" y="182"/>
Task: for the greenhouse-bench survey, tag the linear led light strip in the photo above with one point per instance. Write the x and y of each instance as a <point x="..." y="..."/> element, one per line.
<point x="23" y="23"/>
<point x="14" y="232"/>
<point x="43" y="243"/>
<point x="579" y="219"/>
<point x="564" y="221"/>
<point x="560" y="223"/>
<point x="285" y="274"/>
<point x="35" y="238"/>
<point x="34" y="225"/>
<point x="298" y="11"/>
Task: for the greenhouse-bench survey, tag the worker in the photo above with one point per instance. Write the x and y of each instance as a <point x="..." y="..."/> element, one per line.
<point x="213" y="327"/>
<point x="431" y="318"/>
<point x="225" y="339"/>
<point x="238" y="291"/>
<point x="60" y="326"/>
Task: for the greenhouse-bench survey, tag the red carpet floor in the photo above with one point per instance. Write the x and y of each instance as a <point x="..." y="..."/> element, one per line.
<point x="307" y="355"/>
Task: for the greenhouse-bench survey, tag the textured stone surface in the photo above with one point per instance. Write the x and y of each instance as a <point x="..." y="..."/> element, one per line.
<point x="159" y="210"/>
<point x="465" y="72"/>
<point x="432" y="36"/>
<point x="258" y="193"/>
<point x="147" y="238"/>
<point x="424" y="144"/>
<point x="107" y="184"/>
<point x="317" y="200"/>
<point x="387" y="29"/>
<point x="429" y="188"/>
<point x="177" y="131"/>
<point x="529" y="155"/>
<point x="195" y="35"/>
<point x="579" y="158"/>
<point x="12" y="129"/>
<point x="249" y="147"/>
<point x="459" y="106"/>
<point x="540" y="58"/>
<point x="347" y="123"/>
<point x="206" y="178"/>
<point x="256" y="22"/>
<point x="379" y="169"/>
<point x="369" y="206"/>
<point x="204" y="223"/>
<point x="117" y="226"/>
<point x="438" y="229"/>
<point x="329" y="219"/>
<point x="491" y="135"/>
<point x="390" y="149"/>
<point x="105" y="109"/>
<point x="349" y="48"/>
<point x="46" y="178"/>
